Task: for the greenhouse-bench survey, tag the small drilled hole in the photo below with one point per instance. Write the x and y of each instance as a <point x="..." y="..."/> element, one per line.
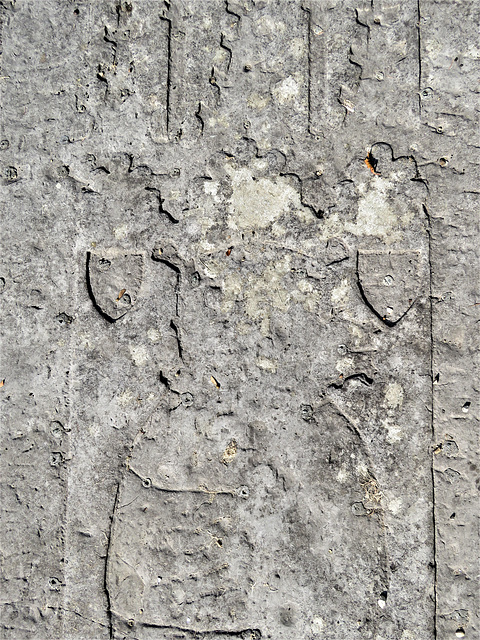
<point x="104" y="264"/>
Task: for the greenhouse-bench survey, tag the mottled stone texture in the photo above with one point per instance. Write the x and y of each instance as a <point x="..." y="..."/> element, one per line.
<point x="239" y="301"/>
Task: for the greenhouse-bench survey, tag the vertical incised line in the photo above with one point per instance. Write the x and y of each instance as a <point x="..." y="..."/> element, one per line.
<point x="107" y="559"/>
<point x="432" y="420"/>
<point x="169" y="68"/>
<point x="419" y="41"/>
<point x="309" y="63"/>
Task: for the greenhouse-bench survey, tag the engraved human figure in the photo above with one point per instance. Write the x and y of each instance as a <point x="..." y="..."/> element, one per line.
<point x="222" y="526"/>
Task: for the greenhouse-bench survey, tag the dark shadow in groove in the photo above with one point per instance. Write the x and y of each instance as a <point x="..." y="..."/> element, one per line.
<point x="92" y="295"/>
<point x="105" y="581"/>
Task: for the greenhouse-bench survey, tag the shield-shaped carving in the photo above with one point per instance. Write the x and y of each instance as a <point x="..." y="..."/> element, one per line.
<point x="389" y="281"/>
<point x="114" y="278"/>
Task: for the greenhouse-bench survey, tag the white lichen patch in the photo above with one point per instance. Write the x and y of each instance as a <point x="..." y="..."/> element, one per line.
<point x="261" y="292"/>
<point x="346" y="366"/>
<point x="394" y="433"/>
<point x="211" y="268"/>
<point x="333" y="226"/>
<point x="139" y="355"/>
<point x="394" y="505"/>
<point x="340" y="293"/>
<point x="286" y="90"/>
<point x="267" y="26"/>
<point x="220" y="57"/>
<point x="305" y="286"/>
<point x="125" y="398"/>
<point x="278" y="230"/>
<point x="307" y="295"/>
<point x="257" y="202"/>
<point x="318" y="625"/>
<point x="394" y="395"/>
<point x="375" y="216"/>
<point x="266" y="364"/>
<point x="154" y="335"/>
<point x="243" y="328"/>
<point x="222" y="122"/>
<point x="211" y="189"/>
<point x="381" y="213"/>
<point x="267" y="290"/>
<point x="297" y="47"/>
<point x="311" y="302"/>
<point x="232" y="291"/>
<point x="357" y="333"/>
<point x="362" y="471"/>
<point x="121" y="232"/>
<point x="342" y="475"/>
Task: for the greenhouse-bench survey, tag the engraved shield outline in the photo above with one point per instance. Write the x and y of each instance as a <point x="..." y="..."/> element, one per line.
<point x="388" y="284"/>
<point x="114" y="279"/>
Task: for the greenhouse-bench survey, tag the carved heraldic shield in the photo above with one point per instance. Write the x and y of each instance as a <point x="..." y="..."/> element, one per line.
<point x="389" y="282"/>
<point x="114" y="280"/>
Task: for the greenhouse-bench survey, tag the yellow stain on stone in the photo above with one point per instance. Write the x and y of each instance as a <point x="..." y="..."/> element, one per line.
<point x="229" y="453"/>
<point x="215" y="382"/>
<point x="258" y="101"/>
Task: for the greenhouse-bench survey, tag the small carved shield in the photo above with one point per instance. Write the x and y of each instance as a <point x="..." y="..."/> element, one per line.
<point x="114" y="278"/>
<point x="389" y="282"/>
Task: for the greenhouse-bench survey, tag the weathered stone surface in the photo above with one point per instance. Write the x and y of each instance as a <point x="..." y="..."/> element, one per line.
<point x="239" y="293"/>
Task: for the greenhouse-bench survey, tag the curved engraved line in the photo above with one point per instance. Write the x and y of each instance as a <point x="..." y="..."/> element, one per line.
<point x="160" y="201"/>
<point x="200" y="632"/>
<point x="417" y="177"/>
<point x="202" y="490"/>
<point x="353" y="428"/>
<point x="351" y="425"/>
<point x="107" y="564"/>
<point x="92" y="295"/>
<point x="389" y="323"/>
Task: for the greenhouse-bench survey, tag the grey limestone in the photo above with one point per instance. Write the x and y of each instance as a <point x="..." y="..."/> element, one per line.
<point x="239" y="319"/>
